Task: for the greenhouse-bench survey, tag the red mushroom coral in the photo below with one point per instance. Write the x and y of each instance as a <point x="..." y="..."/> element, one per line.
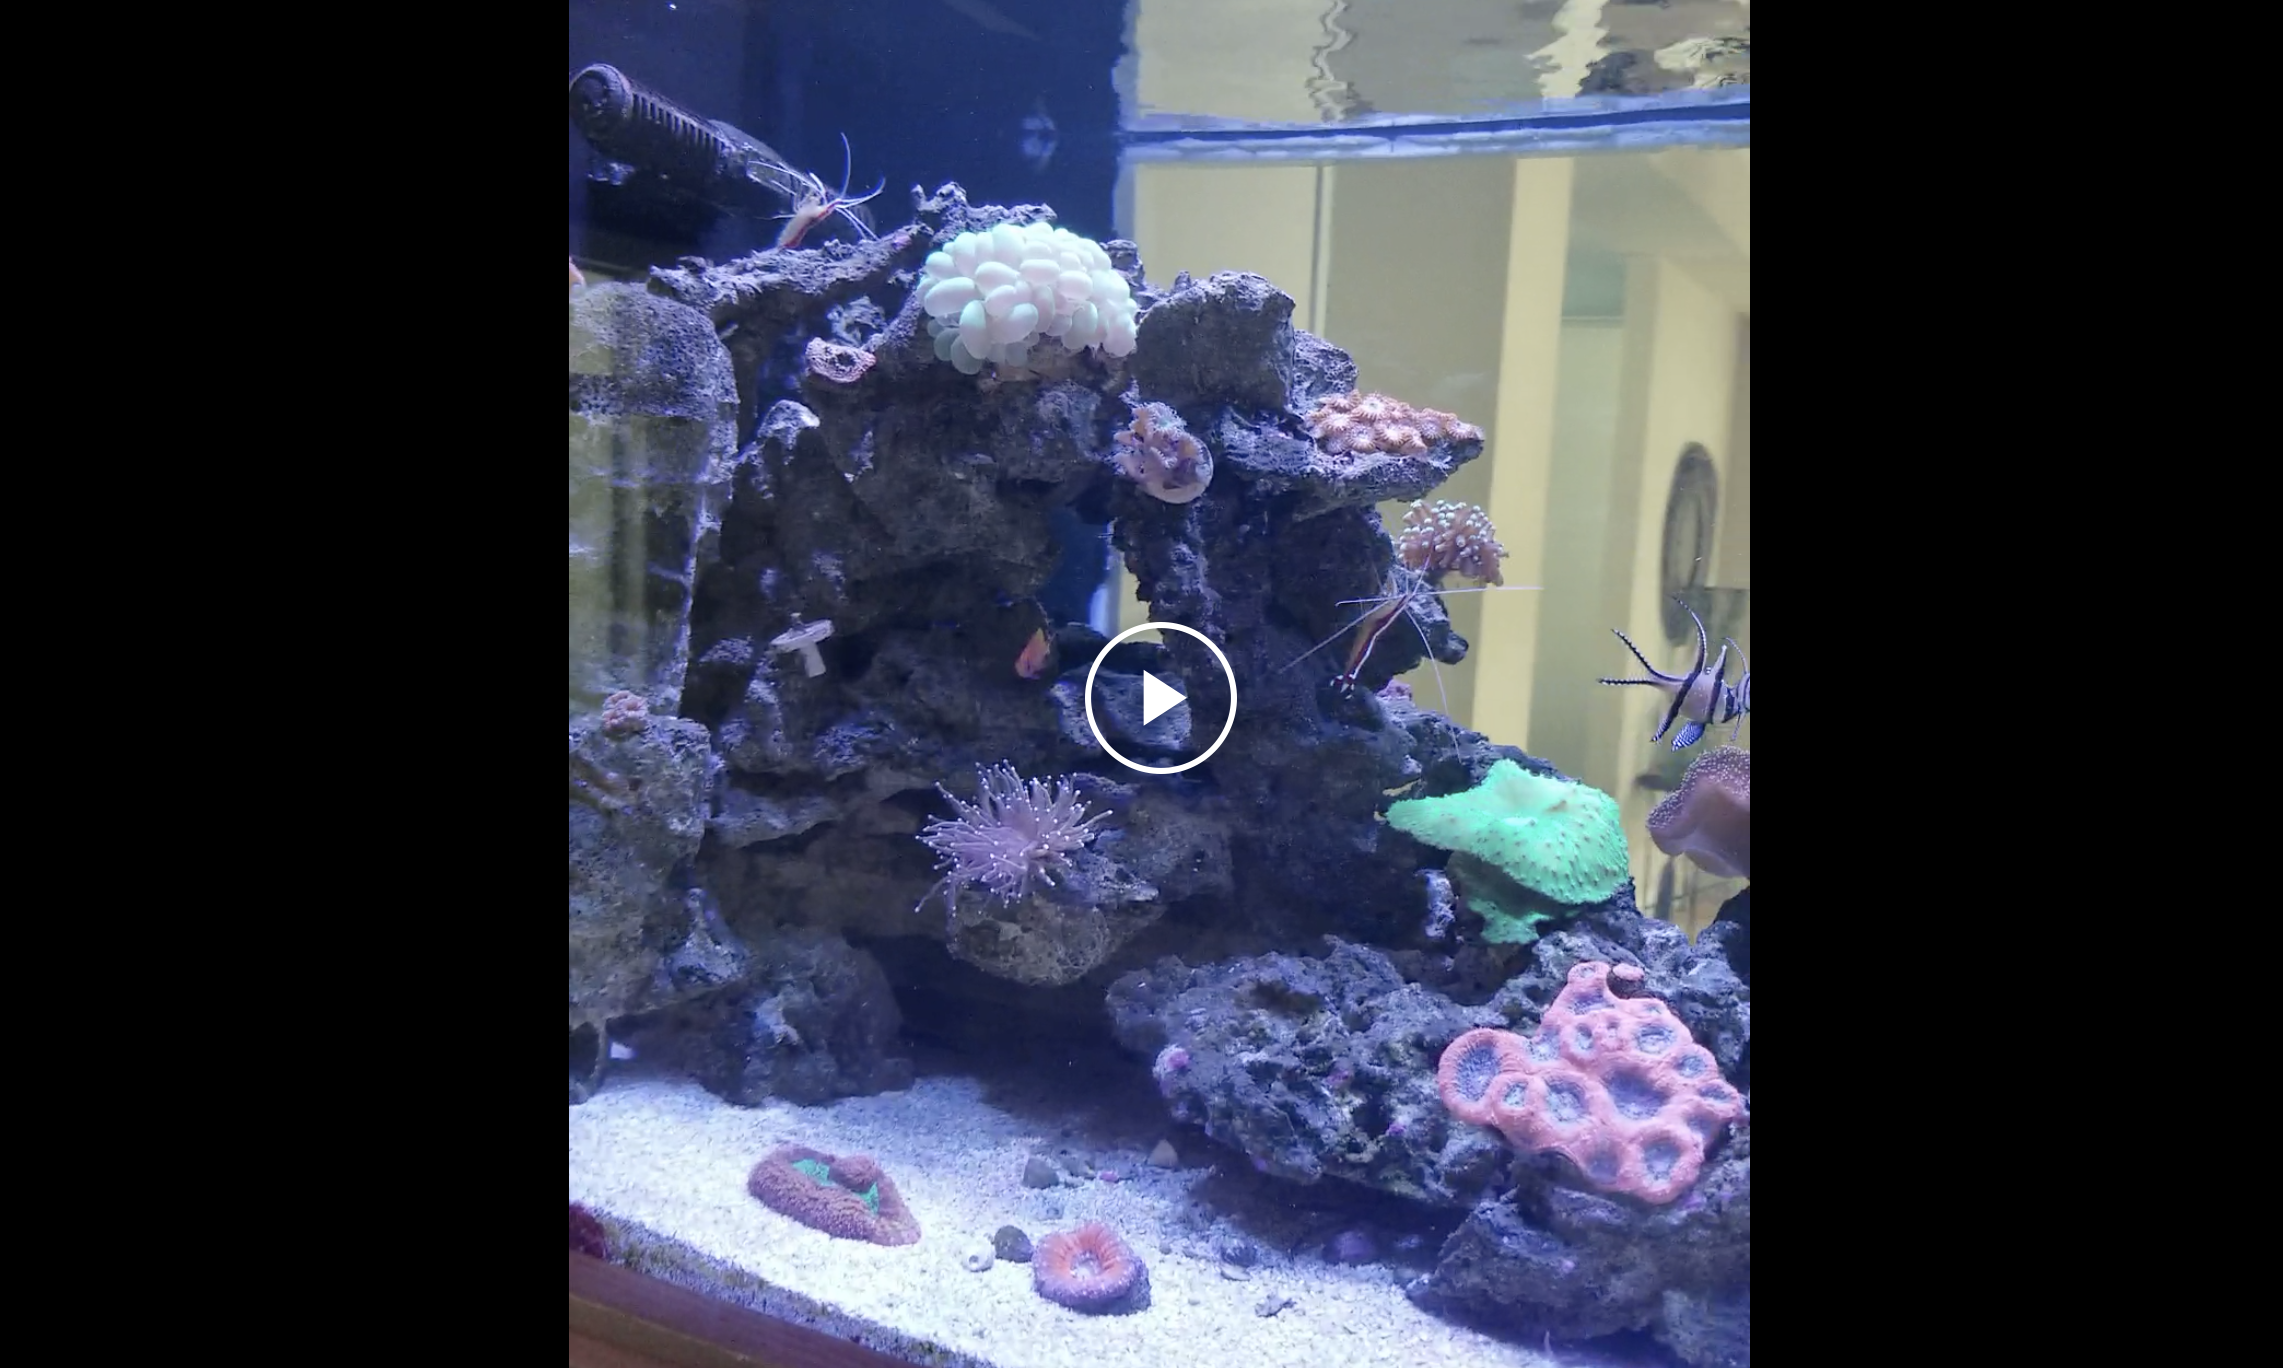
<point x="1709" y="817"/>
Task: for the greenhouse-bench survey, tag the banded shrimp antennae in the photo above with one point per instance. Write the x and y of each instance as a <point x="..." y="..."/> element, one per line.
<point x="815" y="201"/>
<point x="1405" y="589"/>
<point x="1437" y="539"/>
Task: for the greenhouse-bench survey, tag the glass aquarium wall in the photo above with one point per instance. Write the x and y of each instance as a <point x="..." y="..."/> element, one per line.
<point x="1593" y="314"/>
<point x="1159" y="642"/>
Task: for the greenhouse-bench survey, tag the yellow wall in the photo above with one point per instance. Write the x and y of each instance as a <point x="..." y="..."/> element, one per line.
<point x="1679" y="386"/>
<point x="1519" y="461"/>
<point x="1419" y="250"/>
<point x="1207" y="218"/>
<point x="1588" y="560"/>
<point x="1736" y="499"/>
<point x="1412" y="311"/>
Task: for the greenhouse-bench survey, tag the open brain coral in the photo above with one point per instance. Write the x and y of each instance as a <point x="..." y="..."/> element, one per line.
<point x="993" y="296"/>
<point x="1616" y="1085"/>
<point x="848" y="1197"/>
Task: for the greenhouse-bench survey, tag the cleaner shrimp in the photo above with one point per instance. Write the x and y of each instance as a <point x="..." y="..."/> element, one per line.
<point x="1404" y="589"/>
<point x="1437" y="539"/>
<point x="817" y="202"/>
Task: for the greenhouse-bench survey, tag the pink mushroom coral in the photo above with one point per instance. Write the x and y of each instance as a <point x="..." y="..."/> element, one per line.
<point x="1709" y="817"/>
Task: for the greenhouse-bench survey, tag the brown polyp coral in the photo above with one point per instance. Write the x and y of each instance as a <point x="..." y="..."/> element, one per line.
<point x="1445" y="537"/>
<point x="1157" y="452"/>
<point x="624" y="713"/>
<point x="1709" y="817"/>
<point x="1367" y="424"/>
<point x="849" y="1197"/>
<point x="1616" y="1085"/>
<point x="836" y="361"/>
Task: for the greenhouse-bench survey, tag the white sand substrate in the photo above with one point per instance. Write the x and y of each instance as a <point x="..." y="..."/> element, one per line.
<point x="663" y="1163"/>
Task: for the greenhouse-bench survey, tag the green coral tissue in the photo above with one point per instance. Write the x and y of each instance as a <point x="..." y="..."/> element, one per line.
<point x="1560" y="839"/>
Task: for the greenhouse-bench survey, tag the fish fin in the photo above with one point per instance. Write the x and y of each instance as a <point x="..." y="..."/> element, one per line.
<point x="1653" y="670"/>
<point x="1688" y="736"/>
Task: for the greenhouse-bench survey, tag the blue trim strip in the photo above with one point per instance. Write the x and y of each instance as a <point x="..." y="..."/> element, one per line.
<point x="1719" y="117"/>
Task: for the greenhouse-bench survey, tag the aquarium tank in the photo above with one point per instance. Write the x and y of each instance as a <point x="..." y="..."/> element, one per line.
<point x="1160" y="683"/>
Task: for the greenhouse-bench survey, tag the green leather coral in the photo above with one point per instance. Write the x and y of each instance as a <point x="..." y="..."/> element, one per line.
<point x="1558" y="838"/>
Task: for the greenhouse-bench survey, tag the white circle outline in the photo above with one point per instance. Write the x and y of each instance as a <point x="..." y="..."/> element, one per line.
<point x="1227" y="725"/>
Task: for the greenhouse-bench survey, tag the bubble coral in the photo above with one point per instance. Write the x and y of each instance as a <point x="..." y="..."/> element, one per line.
<point x="1446" y="537"/>
<point x="849" y="1198"/>
<point x="1090" y="1269"/>
<point x="1158" y="453"/>
<point x="992" y="296"/>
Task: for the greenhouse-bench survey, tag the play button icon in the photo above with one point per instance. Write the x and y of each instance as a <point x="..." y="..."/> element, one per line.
<point x="1159" y="698"/>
